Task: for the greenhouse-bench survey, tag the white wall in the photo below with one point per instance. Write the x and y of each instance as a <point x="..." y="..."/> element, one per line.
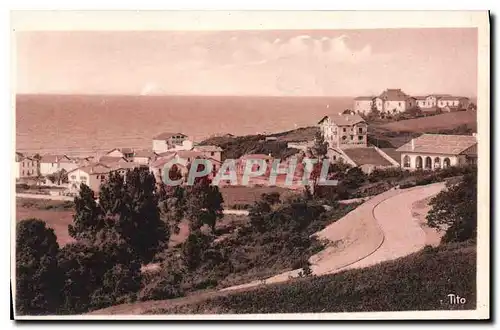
<point x="413" y="160"/>
<point x="364" y="106"/>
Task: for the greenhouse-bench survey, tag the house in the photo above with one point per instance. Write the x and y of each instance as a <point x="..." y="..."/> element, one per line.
<point x="344" y="130"/>
<point x="26" y="166"/>
<point x="144" y="156"/>
<point x="121" y="153"/>
<point x="209" y="151"/>
<point x="453" y="102"/>
<point x="110" y="160"/>
<point x="394" y="100"/>
<point x="433" y="151"/>
<point x="50" y="164"/>
<point x="92" y="175"/>
<point x="364" y="104"/>
<point x="171" y="141"/>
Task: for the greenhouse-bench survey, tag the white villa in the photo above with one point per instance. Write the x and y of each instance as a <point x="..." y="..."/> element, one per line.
<point x="433" y="151"/>
<point x="395" y="100"/>
<point x="170" y="142"/>
<point x="344" y="130"/>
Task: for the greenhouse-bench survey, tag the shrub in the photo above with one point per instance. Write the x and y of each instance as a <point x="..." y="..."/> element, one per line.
<point x="38" y="280"/>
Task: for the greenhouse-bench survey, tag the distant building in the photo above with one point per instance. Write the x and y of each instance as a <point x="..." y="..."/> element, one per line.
<point x="433" y="151"/>
<point x="144" y="156"/>
<point x="344" y="130"/>
<point x="363" y="104"/>
<point x="50" y="164"/>
<point x="111" y="160"/>
<point x="213" y="152"/>
<point x="127" y="153"/>
<point x="171" y="141"/>
<point x="26" y="166"/>
<point x="91" y="175"/>
<point x="394" y="101"/>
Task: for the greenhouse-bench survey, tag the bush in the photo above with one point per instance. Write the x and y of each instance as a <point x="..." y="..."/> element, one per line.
<point x="38" y="279"/>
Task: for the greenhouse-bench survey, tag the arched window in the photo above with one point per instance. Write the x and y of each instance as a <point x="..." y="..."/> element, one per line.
<point x="418" y="162"/>
<point x="446" y="162"/>
<point x="428" y="163"/>
<point x="406" y="161"/>
<point x="437" y="162"/>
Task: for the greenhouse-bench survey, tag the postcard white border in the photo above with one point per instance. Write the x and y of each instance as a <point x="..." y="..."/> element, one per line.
<point x="244" y="20"/>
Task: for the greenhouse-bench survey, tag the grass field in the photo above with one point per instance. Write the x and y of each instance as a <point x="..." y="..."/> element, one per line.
<point x="433" y="123"/>
<point x="421" y="281"/>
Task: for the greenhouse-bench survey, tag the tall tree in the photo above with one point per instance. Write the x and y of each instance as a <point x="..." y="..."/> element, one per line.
<point x="320" y="147"/>
<point x="172" y="202"/>
<point x="455" y="210"/>
<point x="204" y="204"/>
<point x="131" y="206"/>
<point x="88" y="218"/>
<point x="38" y="279"/>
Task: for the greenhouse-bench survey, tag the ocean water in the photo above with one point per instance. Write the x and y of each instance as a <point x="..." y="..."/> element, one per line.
<point x="82" y="124"/>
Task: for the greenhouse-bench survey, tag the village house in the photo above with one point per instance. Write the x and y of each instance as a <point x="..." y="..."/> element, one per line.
<point x="26" y="166"/>
<point x="171" y="141"/>
<point x="50" y="164"/>
<point x="111" y="160"/>
<point x="126" y="153"/>
<point x="92" y="175"/>
<point x="394" y="101"/>
<point x="344" y="130"/>
<point x="434" y="151"/>
<point x="209" y="151"/>
<point x="243" y="160"/>
<point x="453" y="102"/>
<point x="364" y="104"/>
<point x="144" y="156"/>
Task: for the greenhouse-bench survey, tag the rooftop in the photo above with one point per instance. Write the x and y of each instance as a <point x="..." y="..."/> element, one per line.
<point x="394" y="95"/>
<point x="439" y="144"/>
<point x="167" y="135"/>
<point x="343" y="119"/>
<point x="364" y="98"/>
<point x="366" y="156"/>
<point x="145" y="153"/>
<point x="55" y="159"/>
<point x="207" y="148"/>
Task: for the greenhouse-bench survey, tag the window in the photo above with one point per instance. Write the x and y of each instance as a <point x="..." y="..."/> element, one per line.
<point x="344" y="129"/>
<point x="352" y="137"/>
<point x="212" y="153"/>
<point x="73" y="177"/>
<point x="344" y="137"/>
<point x="360" y="138"/>
<point x="360" y="130"/>
<point x="399" y="103"/>
<point x="406" y="161"/>
<point x="23" y="172"/>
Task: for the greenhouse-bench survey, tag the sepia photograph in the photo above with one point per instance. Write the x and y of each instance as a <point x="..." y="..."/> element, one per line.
<point x="236" y="165"/>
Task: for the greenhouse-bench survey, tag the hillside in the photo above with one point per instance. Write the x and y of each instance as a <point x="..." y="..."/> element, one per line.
<point x="236" y="146"/>
<point x="434" y="124"/>
<point x="420" y="281"/>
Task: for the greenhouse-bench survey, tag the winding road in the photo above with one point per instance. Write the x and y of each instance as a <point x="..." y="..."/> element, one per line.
<point x="380" y="229"/>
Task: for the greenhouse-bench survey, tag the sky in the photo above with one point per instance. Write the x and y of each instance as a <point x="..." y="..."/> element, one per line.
<point x="264" y="62"/>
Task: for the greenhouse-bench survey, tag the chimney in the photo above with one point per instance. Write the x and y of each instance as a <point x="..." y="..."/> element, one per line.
<point x="412" y="144"/>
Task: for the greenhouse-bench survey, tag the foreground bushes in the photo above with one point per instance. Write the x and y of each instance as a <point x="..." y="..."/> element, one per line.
<point x="421" y="281"/>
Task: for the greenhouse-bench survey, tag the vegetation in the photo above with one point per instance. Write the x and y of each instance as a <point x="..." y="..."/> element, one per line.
<point x="37" y="272"/>
<point x="421" y="281"/>
<point x="455" y="210"/>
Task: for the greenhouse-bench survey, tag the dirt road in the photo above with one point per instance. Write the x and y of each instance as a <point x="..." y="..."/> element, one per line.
<point x="381" y="229"/>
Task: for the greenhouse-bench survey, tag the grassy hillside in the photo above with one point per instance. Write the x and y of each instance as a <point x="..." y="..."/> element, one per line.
<point x="421" y="281"/>
<point x="434" y="124"/>
<point x="236" y="146"/>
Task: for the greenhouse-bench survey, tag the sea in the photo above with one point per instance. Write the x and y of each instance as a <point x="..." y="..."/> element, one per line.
<point x="79" y="125"/>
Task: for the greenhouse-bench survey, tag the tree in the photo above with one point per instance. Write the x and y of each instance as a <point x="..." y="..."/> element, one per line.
<point x="455" y="210"/>
<point x="130" y="204"/>
<point x="354" y="178"/>
<point x="172" y="202"/>
<point x="320" y="147"/>
<point x="193" y="249"/>
<point x="88" y="218"/>
<point x="204" y="204"/>
<point x="38" y="279"/>
<point x="98" y="274"/>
